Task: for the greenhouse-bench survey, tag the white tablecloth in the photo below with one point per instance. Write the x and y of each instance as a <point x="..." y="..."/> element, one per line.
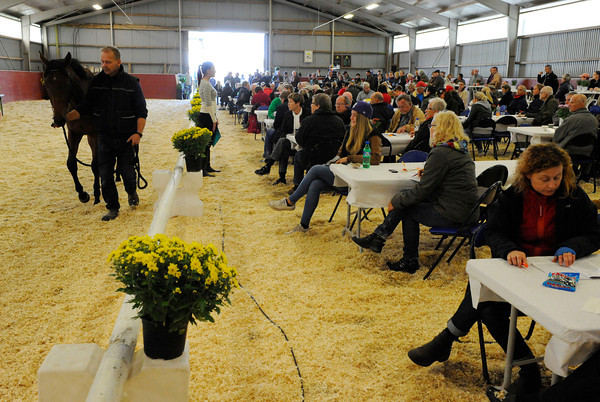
<point x="261" y="115"/>
<point x="533" y="135"/>
<point x="520" y="120"/>
<point x="247" y="108"/>
<point x="398" y="141"/>
<point x="576" y="333"/>
<point x="375" y="187"/>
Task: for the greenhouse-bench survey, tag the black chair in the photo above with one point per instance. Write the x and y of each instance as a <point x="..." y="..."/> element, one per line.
<point x="491" y="175"/>
<point x="482" y="132"/>
<point x="467" y="229"/>
<point x="478" y="240"/>
<point x="585" y="166"/>
<point x="501" y="132"/>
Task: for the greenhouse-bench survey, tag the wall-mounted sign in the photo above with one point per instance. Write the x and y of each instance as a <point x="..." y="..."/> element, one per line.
<point x="308" y="56"/>
<point x="343" y="60"/>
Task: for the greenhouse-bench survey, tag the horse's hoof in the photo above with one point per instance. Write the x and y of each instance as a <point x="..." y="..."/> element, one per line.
<point x="84" y="197"/>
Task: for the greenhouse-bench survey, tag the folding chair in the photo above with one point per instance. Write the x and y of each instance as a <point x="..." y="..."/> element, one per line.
<point x="483" y="132"/>
<point x="414" y="156"/>
<point x="501" y="131"/>
<point x="491" y="175"/>
<point x="467" y="229"/>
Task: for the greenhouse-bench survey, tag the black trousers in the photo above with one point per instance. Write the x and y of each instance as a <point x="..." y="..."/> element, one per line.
<point x="110" y="151"/>
<point x="582" y="385"/>
<point x="205" y="121"/>
<point x="495" y="316"/>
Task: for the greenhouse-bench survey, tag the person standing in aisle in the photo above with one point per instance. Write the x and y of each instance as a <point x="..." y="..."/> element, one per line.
<point x="208" y="111"/>
<point x="119" y="115"/>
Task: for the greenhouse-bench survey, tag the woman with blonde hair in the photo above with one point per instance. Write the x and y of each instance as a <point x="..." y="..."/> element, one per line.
<point x="319" y="178"/>
<point x="544" y="212"/>
<point x="444" y="196"/>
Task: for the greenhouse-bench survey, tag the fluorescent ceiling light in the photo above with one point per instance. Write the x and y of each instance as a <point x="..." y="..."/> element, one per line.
<point x="348" y="16"/>
<point x="97" y="7"/>
<point x="372" y="6"/>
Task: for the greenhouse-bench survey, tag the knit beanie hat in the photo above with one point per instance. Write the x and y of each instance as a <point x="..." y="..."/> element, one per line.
<point x="363" y="108"/>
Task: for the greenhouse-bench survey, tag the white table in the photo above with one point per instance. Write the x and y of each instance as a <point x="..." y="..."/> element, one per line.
<point x="261" y="116"/>
<point x="247" y="107"/>
<point x="532" y="135"/>
<point x="375" y="187"/>
<point x="269" y="123"/>
<point x="520" y="119"/>
<point x="575" y="332"/>
<point x="398" y="142"/>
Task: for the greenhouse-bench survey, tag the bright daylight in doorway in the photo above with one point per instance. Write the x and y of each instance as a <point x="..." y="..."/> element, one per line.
<point x="229" y="51"/>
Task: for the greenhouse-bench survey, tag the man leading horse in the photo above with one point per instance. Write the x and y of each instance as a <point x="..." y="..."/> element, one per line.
<point x="117" y="104"/>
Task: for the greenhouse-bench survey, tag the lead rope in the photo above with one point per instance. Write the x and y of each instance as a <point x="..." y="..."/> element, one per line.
<point x="136" y="162"/>
<point x="136" y="165"/>
<point x="71" y="151"/>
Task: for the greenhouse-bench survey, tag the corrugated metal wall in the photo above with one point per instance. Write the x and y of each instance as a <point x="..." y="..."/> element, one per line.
<point x="572" y="52"/>
<point x="155" y="50"/>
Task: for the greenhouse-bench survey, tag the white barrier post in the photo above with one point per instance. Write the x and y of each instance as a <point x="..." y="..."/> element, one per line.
<point x="66" y="365"/>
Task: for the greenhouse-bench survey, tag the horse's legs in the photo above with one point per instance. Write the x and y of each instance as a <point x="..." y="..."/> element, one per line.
<point x="74" y="140"/>
<point x="93" y="142"/>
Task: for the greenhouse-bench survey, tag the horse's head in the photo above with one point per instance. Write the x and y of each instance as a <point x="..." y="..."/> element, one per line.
<point x="58" y="83"/>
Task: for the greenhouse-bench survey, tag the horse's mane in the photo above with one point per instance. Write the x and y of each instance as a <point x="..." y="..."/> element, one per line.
<point x="82" y="72"/>
<point x="79" y="69"/>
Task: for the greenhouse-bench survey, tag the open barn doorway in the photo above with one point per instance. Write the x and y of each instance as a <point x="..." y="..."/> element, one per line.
<point x="236" y="52"/>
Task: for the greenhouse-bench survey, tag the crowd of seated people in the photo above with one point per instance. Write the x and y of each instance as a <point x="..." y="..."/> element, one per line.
<point x="331" y="124"/>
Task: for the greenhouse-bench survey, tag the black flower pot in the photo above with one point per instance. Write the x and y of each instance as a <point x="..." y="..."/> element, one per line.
<point x="159" y="343"/>
<point x="193" y="164"/>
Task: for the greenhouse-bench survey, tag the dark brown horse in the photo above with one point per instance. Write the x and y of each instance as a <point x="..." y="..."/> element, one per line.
<point x="66" y="82"/>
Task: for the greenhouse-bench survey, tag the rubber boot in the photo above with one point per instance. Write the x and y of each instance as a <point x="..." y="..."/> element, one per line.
<point x="438" y="350"/>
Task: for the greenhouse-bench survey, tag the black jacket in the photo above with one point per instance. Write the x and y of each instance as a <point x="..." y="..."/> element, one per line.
<point x="287" y="122"/>
<point x="115" y="104"/>
<point x="506" y="99"/>
<point x="544" y="116"/>
<point x="320" y="136"/>
<point x="576" y="224"/>
<point x="243" y="96"/>
<point x="480" y="110"/>
<point x="535" y="106"/>
<point x="454" y="102"/>
<point x="421" y="140"/>
<point x="517" y="104"/>
<point x="550" y="80"/>
<point x="563" y="90"/>
<point x="382" y="115"/>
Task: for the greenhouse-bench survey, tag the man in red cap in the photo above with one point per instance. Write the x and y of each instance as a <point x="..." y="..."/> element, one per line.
<point x="419" y="94"/>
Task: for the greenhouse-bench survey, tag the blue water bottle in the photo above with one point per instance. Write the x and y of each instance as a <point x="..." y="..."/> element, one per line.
<point x="367" y="156"/>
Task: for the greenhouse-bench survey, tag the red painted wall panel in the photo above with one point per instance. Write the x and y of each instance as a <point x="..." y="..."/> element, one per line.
<point x="25" y="85"/>
<point x="20" y="85"/>
<point x="158" y="86"/>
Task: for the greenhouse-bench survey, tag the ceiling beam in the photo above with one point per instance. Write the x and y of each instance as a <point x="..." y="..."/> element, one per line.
<point x="90" y="14"/>
<point x="49" y="14"/>
<point x="348" y="22"/>
<point x="496" y="5"/>
<point x="396" y="28"/>
<point x="430" y="15"/>
<point x="4" y="4"/>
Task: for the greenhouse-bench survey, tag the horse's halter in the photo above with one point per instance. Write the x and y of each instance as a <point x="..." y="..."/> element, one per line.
<point x="70" y="93"/>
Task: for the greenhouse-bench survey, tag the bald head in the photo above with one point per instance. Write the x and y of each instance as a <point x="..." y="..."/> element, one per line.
<point x="577" y="101"/>
<point x="377" y="97"/>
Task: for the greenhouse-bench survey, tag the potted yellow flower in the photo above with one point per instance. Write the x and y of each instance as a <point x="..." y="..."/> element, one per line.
<point x="172" y="283"/>
<point x="192" y="142"/>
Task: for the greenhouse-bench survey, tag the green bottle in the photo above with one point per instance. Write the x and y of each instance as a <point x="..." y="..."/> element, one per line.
<point x="367" y="156"/>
